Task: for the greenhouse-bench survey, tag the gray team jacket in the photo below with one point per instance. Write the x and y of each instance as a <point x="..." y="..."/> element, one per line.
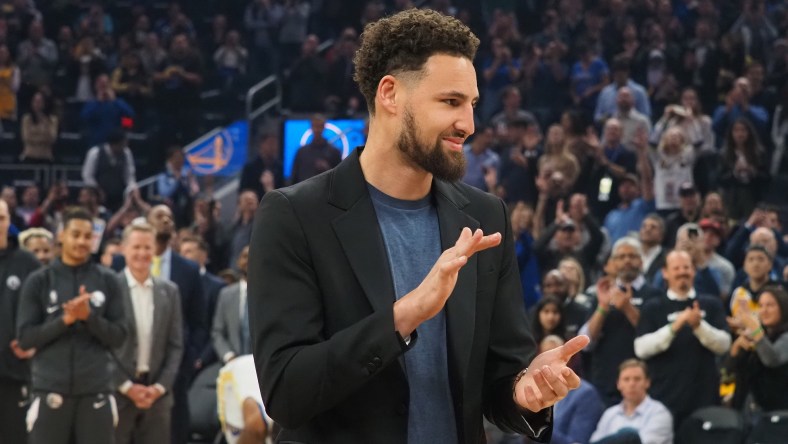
<point x="71" y="360"/>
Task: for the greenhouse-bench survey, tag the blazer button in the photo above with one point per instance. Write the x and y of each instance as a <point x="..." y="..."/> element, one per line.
<point x="371" y="368"/>
<point x="377" y="361"/>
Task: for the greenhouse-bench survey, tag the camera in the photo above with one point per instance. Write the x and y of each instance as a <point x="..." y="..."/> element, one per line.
<point x="692" y="232"/>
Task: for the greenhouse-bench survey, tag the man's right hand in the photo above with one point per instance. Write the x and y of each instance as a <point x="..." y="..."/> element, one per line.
<point x="139" y="395"/>
<point x="428" y="299"/>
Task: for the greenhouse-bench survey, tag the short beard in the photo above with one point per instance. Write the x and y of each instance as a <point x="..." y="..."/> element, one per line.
<point x="449" y="167"/>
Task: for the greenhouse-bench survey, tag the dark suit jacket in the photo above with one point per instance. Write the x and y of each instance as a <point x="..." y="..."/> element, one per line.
<point x="211" y="286"/>
<point x="322" y="325"/>
<point x="185" y="274"/>
<point x="226" y="329"/>
<point x="167" y="346"/>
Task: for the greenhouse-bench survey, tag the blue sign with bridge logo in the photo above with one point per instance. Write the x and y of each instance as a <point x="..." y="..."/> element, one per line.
<point x="221" y="152"/>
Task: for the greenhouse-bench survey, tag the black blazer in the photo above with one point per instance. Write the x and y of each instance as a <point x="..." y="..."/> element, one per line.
<point x="186" y="275"/>
<point x="211" y="286"/>
<point x="320" y="302"/>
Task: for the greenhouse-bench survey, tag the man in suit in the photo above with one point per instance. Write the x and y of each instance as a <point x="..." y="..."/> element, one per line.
<point x="185" y="274"/>
<point x="196" y="249"/>
<point x="148" y="360"/>
<point x="379" y="310"/>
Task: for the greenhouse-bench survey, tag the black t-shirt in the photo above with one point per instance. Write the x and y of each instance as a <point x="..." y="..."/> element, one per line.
<point x="685" y="376"/>
<point x="615" y="345"/>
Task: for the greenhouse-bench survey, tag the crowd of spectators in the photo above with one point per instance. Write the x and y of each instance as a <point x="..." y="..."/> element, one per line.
<point x="635" y="143"/>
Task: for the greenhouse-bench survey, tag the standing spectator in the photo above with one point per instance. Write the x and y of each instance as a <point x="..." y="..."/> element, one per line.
<point x="148" y="360"/>
<point x="86" y="64"/>
<point x="689" y="116"/>
<point x="39" y="242"/>
<point x="73" y="334"/>
<point x="231" y="59"/>
<point x="758" y="262"/>
<point x="261" y="19"/>
<point x="178" y="186"/>
<point x="518" y="170"/>
<point x="241" y="230"/>
<point x="37" y="57"/>
<point x="511" y="112"/>
<point x="755" y="29"/>
<point x="713" y="235"/>
<point x="615" y="318"/>
<point x="606" y="102"/>
<point x="39" y="131"/>
<point x="178" y="79"/>
<point x="548" y="318"/>
<point x="265" y="172"/>
<point x="632" y="121"/>
<point x="672" y="163"/>
<point x="572" y="313"/>
<point x="679" y="335"/>
<point x="230" y="331"/>
<point x="482" y="162"/>
<point x="779" y="132"/>
<point x="315" y="157"/>
<point x="638" y="418"/>
<point x="760" y="354"/>
<point x="8" y="194"/>
<point x="522" y="231"/>
<point x="303" y="93"/>
<point x="102" y="116"/>
<point x="737" y="104"/>
<point x="499" y="70"/>
<point x="292" y="30"/>
<point x="196" y="249"/>
<point x="636" y="202"/>
<point x="110" y="166"/>
<point x="344" y="95"/>
<point x="701" y="62"/>
<point x="614" y="161"/>
<point x="90" y="200"/>
<point x="151" y="53"/>
<point x="132" y="82"/>
<point x="9" y="85"/>
<point x="651" y="235"/>
<point x="15" y="266"/>
<point x="588" y="76"/>
<point x="549" y="91"/>
<point x="744" y="174"/>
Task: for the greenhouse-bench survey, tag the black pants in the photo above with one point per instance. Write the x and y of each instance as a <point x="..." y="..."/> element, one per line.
<point x="13" y="395"/>
<point x="54" y="419"/>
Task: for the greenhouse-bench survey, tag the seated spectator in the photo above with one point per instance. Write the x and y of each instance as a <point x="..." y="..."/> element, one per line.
<point x="638" y="418"/>
<point x="679" y="336"/>
<point x="737" y="104"/>
<point x="688" y="116"/>
<point x="548" y="318"/>
<point x="177" y="185"/>
<point x="240" y="232"/>
<point x="265" y="172"/>
<point x="616" y="313"/>
<point x="744" y="173"/>
<point x="522" y="217"/>
<point x="31" y="198"/>
<point x="132" y="82"/>
<point x="40" y="242"/>
<point x="102" y="116"/>
<point x="110" y="248"/>
<point x="577" y="414"/>
<point x="499" y="70"/>
<point x="8" y="194"/>
<point x="760" y="354"/>
<point x="231" y="59"/>
<point x="714" y="210"/>
<point x="606" y="102"/>
<point x="482" y="163"/>
<point x="558" y="156"/>
<point x="636" y="202"/>
<point x="651" y="234"/>
<point x="90" y="200"/>
<point x="9" y="85"/>
<point x="110" y="167"/>
<point x="39" y="131"/>
<point x="317" y="156"/>
<point x="765" y="220"/>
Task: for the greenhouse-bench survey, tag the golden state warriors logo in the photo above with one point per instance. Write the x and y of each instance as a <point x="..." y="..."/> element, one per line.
<point x="214" y="155"/>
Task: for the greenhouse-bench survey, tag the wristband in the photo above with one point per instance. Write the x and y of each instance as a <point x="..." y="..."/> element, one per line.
<point x="756" y="332"/>
<point x="516" y="380"/>
<point x="601" y="311"/>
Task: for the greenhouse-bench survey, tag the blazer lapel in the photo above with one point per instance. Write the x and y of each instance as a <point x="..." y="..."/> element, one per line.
<point x="359" y="233"/>
<point x="461" y="306"/>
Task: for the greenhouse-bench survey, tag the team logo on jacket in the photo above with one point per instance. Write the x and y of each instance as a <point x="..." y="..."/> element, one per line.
<point x="13" y="283"/>
<point x="97" y="298"/>
<point x="53" y="297"/>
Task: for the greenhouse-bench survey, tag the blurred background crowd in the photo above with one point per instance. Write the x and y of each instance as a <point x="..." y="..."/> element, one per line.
<point x="616" y="131"/>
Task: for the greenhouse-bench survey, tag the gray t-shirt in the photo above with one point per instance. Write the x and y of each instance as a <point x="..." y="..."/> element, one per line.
<point x="412" y="237"/>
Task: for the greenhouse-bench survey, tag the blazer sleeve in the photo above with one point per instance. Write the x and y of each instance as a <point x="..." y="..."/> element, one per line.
<point x="174" y="351"/>
<point x="302" y="373"/>
<point x="511" y="349"/>
<point x="220" y="328"/>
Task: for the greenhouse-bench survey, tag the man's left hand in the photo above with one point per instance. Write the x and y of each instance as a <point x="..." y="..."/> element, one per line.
<point x="548" y="379"/>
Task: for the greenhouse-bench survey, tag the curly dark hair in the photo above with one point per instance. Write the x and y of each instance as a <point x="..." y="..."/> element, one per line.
<point x="403" y="42"/>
